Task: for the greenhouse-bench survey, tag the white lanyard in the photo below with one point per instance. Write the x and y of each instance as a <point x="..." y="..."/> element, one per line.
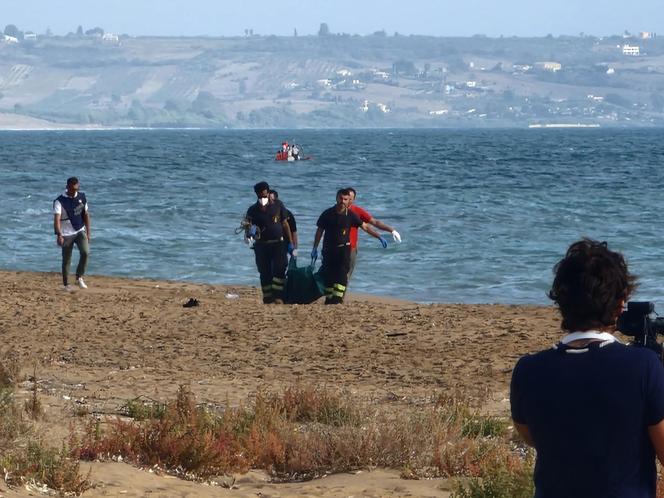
<point x="605" y="337"/>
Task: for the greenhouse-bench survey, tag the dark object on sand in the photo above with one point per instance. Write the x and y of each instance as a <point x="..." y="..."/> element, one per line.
<point x="191" y="303"/>
<point x="303" y="286"/>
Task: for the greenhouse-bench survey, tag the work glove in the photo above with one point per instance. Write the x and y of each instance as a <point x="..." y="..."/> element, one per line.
<point x="314" y="254"/>
<point x="252" y="231"/>
<point x="294" y="253"/>
<point x="396" y="236"/>
<point x="383" y="242"/>
<point x="290" y="248"/>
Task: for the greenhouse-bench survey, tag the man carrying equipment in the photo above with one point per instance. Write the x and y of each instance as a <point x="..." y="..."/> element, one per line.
<point x="269" y="228"/>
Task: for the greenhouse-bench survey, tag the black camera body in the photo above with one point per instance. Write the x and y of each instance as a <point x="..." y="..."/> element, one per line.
<point x="637" y="322"/>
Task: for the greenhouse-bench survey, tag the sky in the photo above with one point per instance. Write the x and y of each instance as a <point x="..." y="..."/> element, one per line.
<point x="363" y="17"/>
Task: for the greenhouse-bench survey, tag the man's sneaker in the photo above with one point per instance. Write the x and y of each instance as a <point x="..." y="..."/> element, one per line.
<point x="81" y="283"/>
<point x="67" y="288"/>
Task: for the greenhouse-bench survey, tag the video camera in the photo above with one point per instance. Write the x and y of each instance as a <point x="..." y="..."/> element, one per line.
<point x="637" y="322"/>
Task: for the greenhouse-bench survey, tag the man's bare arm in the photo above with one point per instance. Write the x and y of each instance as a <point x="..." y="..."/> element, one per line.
<point x="369" y="229"/>
<point x="382" y="226"/>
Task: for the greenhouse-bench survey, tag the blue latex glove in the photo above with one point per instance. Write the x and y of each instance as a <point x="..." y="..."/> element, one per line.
<point x="290" y="248"/>
<point x="252" y="231"/>
<point x="383" y="242"/>
<point x="314" y="254"/>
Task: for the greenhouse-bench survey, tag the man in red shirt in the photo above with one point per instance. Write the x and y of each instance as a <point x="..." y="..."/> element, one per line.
<point x="366" y="217"/>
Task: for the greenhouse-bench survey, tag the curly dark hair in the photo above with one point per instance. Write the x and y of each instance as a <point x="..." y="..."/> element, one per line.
<point x="590" y="283"/>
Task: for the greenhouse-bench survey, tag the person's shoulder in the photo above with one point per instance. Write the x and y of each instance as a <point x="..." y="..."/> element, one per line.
<point x="636" y="354"/>
<point x="355" y="216"/>
<point x="359" y="210"/>
<point x="530" y="360"/>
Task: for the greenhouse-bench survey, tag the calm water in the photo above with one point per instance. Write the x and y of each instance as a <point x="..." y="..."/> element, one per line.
<point x="484" y="214"/>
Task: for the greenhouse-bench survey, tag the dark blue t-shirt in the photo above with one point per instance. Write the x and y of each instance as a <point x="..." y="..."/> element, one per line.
<point x="588" y="413"/>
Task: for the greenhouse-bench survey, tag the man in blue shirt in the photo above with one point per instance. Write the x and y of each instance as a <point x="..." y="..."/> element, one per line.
<point x="592" y="407"/>
<point x="71" y="223"/>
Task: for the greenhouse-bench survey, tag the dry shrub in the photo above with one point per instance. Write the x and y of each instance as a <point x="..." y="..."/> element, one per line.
<point x="33" y="405"/>
<point x="10" y="369"/>
<point x="499" y="482"/>
<point x="143" y="408"/>
<point x="12" y="425"/>
<point x="305" y="432"/>
<point x="186" y="441"/>
<point x="46" y="466"/>
<point x="316" y="404"/>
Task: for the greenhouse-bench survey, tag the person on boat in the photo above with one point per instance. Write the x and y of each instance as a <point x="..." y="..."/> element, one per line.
<point x="366" y="217"/>
<point x="282" y="154"/>
<point x="296" y="152"/>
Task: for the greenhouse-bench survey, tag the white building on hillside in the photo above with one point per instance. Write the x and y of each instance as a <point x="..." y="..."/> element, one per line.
<point x="110" y="38"/>
<point x="632" y="50"/>
<point x="550" y="66"/>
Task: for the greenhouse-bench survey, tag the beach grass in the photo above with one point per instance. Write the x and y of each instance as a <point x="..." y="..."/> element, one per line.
<point x="304" y="432"/>
<point x="25" y="459"/>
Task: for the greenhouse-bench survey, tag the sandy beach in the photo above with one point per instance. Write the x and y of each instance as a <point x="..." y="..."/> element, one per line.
<point x="123" y="338"/>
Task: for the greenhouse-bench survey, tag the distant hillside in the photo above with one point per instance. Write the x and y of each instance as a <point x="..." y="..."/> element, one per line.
<point x="331" y="81"/>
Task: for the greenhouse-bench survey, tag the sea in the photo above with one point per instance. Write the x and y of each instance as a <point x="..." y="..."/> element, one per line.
<point x="484" y="214"/>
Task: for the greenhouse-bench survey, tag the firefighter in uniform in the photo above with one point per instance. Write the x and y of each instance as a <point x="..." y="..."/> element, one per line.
<point x="336" y="223"/>
<point x="268" y="226"/>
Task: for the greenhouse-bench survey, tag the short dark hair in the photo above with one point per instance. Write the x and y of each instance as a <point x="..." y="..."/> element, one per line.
<point x="590" y="283"/>
<point x="72" y="180"/>
<point x="351" y="189"/>
<point x="274" y="193"/>
<point x="260" y="186"/>
<point x="342" y="191"/>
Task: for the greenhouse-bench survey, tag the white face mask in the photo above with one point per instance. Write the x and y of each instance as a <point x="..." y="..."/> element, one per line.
<point x="263" y="201"/>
